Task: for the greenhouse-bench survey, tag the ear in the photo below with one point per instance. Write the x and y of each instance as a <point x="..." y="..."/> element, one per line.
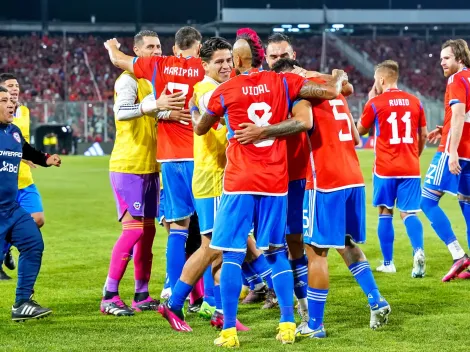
<point x="294" y="55"/>
<point x="175" y="50"/>
<point x="205" y="65"/>
<point x="199" y="50"/>
<point x="136" y="51"/>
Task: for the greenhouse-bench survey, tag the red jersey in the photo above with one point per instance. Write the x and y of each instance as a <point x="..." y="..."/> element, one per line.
<point x="458" y="91"/>
<point x="298" y="152"/>
<point x="398" y="116"/>
<point x="175" y="140"/>
<point x="264" y="99"/>
<point x="333" y="159"/>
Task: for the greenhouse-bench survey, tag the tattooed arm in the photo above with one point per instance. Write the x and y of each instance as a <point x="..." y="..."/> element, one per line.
<point x="329" y="90"/>
<point x="302" y="120"/>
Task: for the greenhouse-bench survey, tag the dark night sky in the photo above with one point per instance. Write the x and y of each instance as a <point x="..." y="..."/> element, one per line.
<point x="179" y="11"/>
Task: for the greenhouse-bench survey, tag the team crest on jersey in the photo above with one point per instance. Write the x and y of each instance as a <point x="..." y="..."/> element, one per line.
<point x="16" y="135"/>
<point x="137" y="205"/>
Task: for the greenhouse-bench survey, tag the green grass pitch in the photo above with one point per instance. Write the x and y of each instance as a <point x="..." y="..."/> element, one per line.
<point x="81" y="228"/>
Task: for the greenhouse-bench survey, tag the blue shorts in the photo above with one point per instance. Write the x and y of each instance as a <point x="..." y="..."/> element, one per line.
<point x="30" y="199"/>
<point x="206" y="208"/>
<point x="235" y="218"/>
<point x="331" y="216"/>
<point x="406" y="192"/>
<point x="295" y="199"/>
<point x="177" y="179"/>
<point x="440" y="179"/>
<point x="161" y="209"/>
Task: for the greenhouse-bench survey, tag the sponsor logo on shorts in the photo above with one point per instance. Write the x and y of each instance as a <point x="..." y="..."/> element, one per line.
<point x="137" y="205"/>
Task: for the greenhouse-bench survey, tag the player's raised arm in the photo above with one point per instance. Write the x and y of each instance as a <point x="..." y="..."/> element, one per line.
<point x="346" y="91"/>
<point x="117" y="57"/>
<point x="38" y="157"/>
<point x="328" y="91"/>
<point x="301" y="121"/>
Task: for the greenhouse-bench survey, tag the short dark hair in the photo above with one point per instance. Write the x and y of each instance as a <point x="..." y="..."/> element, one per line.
<point x="255" y="43"/>
<point x="211" y="45"/>
<point x="186" y="37"/>
<point x="3" y="89"/>
<point x="460" y="49"/>
<point x="391" y="66"/>
<point x="278" y="37"/>
<point x="139" y="37"/>
<point x="6" y="77"/>
<point x="284" y="65"/>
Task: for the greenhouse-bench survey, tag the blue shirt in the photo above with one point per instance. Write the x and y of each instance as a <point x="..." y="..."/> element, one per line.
<point x="11" y="152"/>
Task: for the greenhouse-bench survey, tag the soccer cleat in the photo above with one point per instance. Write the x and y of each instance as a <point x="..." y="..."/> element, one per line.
<point x="305" y="331"/>
<point x="458" y="266"/>
<point x="196" y="306"/>
<point x="176" y="319"/>
<point x="217" y="321"/>
<point x="147" y="304"/>
<point x="3" y="275"/>
<point x="228" y="338"/>
<point x="419" y="264"/>
<point x="166" y="293"/>
<point x="244" y="292"/>
<point x="286" y="334"/>
<point x="387" y="269"/>
<point x="464" y="275"/>
<point x="271" y="299"/>
<point x="303" y="319"/>
<point x="9" y="261"/>
<point x="255" y="296"/>
<point x="29" y="310"/>
<point x="379" y="314"/>
<point x="206" y="310"/>
<point x="115" y="306"/>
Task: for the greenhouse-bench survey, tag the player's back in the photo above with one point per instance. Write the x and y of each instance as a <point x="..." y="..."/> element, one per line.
<point x="263" y="99"/>
<point x="457" y="91"/>
<point x="398" y="118"/>
<point x="335" y="161"/>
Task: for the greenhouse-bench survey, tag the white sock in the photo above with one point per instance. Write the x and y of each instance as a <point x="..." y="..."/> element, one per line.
<point x="455" y="249"/>
<point x="303" y="304"/>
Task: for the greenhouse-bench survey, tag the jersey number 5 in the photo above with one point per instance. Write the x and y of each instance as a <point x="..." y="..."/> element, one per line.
<point x="395" y="137"/>
<point x="261" y="121"/>
<point x="343" y="137"/>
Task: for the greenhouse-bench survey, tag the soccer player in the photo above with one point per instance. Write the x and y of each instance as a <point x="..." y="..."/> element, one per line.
<point x="16" y="224"/>
<point x="449" y="171"/>
<point x="327" y="224"/>
<point x="255" y="185"/>
<point x="400" y="130"/>
<point x="175" y="139"/>
<point x="28" y="194"/>
<point x="135" y="181"/>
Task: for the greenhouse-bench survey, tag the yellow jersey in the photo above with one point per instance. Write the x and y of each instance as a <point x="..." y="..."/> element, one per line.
<point x="209" y="149"/>
<point x="135" y="147"/>
<point x="21" y="119"/>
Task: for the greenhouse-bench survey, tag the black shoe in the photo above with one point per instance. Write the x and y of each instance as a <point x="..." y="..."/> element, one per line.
<point x="29" y="310"/>
<point x="196" y="306"/>
<point x="3" y="275"/>
<point x="9" y="261"/>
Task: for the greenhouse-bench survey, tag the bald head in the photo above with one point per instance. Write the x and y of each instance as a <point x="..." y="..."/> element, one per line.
<point x="242" y="56"/>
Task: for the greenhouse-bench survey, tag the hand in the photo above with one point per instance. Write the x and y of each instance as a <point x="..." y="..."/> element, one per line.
<point x="249" y="133"/>
<point x="181" y="116"/>
<point x="373" y="92"/>
<point x="112" y="42"/>
<point x="171" y="102"/>
<point x="435" y="135"/>
<point x="30" y="164"/>
<point x="192" y="102"/>
<point x="340" y="76"/>
<point x="54" y="160"/>
<point x="299" y="71"/>
<point x="454" y="164"/>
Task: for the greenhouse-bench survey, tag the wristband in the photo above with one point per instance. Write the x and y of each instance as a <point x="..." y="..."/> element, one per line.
<point x="193" y="109"/>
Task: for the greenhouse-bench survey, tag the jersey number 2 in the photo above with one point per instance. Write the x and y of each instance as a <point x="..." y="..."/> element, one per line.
<point x="395" y="137"/>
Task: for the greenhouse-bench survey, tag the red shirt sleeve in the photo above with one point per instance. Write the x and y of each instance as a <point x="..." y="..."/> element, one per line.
<point x="422" y="116"/>
<point x="368" y="115"/>
<point x="457" y="91"/>
<point x="294" y="84"/>
<point x="146" y="67"/>
<point x="216" y="106"/>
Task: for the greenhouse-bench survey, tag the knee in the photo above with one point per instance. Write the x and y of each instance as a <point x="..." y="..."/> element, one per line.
<point x="429" y="199"/>
<point x="39" y="219"/>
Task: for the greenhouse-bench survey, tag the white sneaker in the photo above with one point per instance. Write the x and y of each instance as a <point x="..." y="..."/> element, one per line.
<point x="303" y="322"/>
<point x="387" y="269"/>
<point x="379" y="314"/>
<point x="419" y="264"/>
